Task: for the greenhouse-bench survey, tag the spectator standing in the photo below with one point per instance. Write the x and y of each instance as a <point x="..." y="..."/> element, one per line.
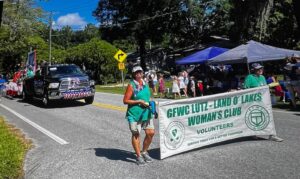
<point x="293" y="78"/>
<point x="151" y="83"/>
<point x="175" y="87"/>
<point x="154" y="78"/>
<point x="186" y="80"/>
<point x="182" y="85"/>
<point x="30" y="72"/>
<point x="161" y="83"/>
<point x="257" y="79"/>
<point x="192" y="86"/>
<point x="200" y="87"/>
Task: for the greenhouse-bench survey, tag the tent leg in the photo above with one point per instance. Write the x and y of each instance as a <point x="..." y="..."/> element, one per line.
<point x="248" y="68"/>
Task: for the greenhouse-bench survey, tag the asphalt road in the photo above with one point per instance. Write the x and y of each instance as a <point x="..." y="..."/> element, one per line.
<point x="93" y="141"/>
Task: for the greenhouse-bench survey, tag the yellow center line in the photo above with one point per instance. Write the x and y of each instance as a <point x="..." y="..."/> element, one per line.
<point x="109" y="106"/>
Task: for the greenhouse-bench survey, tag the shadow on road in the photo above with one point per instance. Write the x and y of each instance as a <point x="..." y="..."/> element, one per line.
<point x="54" y="104"/>
<point x="287" y="107"/>
<point x="115" y="154"/>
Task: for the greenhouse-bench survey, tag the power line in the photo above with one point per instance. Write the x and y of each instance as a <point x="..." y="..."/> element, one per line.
<point x="148" y="18"/>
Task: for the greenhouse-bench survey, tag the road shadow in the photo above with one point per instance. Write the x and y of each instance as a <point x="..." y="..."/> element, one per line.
<point x="287" y="107"/>
<point x="115" y="154"/>
<point x="224" y="143"/>
<point x="53" y="104"/>
<point x="155" y="153"/>
<point x="123" y="155"/>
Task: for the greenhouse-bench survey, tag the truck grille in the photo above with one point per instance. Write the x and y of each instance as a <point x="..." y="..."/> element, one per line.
<point x="74" y="84"/>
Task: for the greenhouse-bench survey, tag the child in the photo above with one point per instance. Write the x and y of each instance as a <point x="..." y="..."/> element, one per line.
<point x="193" y="86"/>
<point x="200" y="87"/>
<point x="175" y="87"/>
<point x="161" y="83"/>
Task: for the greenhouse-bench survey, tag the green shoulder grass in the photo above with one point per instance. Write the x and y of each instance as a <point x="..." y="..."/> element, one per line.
<point x="13" y="147"/>
<point x="118" y="88"/>
<point x="111" y="89"/>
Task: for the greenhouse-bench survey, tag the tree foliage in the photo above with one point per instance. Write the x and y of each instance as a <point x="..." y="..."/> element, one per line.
<point x="269" y="21"/>
<point x="181" y="22"/>
<point x="97" y="56"/>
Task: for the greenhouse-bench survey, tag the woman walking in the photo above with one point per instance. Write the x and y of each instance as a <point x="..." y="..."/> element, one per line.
<point x="137" y="97"/>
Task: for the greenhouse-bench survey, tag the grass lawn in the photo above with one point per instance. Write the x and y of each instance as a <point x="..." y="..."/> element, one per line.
<point x="118" y="88"/>
<point x="111" y="89"/>
<point x="13" y="147"/>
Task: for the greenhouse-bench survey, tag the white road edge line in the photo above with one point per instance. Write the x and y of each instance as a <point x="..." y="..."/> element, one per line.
<point x="41" y="129"/>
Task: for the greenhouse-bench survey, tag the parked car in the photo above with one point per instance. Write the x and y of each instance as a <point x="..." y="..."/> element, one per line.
<point x="59" y="82"/>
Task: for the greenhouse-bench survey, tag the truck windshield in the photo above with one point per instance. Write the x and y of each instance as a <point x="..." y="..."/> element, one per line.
<point x="65" y="70"/>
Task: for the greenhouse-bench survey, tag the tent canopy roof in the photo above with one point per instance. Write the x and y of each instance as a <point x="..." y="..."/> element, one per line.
<point x="201" y="56"/>
<point x="252" y="52"/>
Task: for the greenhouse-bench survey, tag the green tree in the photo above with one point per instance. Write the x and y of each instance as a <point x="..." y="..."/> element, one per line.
<point x="97" y="56"/>
<point x="18" y="24"/>
<point x="139" y="19"/>
<point x="174" y="23"/>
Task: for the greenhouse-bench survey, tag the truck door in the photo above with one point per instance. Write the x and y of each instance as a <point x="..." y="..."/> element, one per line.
<point x="39" y="83"/>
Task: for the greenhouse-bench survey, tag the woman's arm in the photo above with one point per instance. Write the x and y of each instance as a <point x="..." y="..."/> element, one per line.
<point x="127" y="97"/>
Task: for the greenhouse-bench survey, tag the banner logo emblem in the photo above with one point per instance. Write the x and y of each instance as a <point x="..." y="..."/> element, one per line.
<point x="174" y="135"/>
<point x="257" y="118"/>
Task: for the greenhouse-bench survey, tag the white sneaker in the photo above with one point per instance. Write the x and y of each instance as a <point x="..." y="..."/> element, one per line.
<point x="275" y="138"/>
<point x="140" y="161"/>
<point x="146" y="157"/>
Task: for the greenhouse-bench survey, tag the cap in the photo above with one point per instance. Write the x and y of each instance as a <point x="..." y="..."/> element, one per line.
<point x="256" y="66"/>
<point x="136" y="68"/>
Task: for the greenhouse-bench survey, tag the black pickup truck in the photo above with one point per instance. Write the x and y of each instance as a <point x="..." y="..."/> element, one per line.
<point x="59" y="82"/>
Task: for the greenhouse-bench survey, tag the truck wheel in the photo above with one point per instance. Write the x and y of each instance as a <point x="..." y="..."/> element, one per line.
<point x="89" y="100"/>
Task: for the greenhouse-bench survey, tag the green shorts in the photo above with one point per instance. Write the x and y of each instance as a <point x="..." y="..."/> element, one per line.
<point x="136" y="127"/>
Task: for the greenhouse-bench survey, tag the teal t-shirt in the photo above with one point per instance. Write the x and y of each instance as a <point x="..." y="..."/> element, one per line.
<point x="30" y="73"/>
<point x="137" y="113"/>
<point x="253" y="81"/>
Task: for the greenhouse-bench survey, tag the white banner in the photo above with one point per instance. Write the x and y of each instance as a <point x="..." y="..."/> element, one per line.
<point x="195" y="122"/>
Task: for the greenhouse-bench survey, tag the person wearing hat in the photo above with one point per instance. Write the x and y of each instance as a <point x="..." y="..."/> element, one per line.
<point x="257" y="79"/>
<point x="29" y="72"/>
<point x="292" y="78"/>
<point x="137" y="97"/>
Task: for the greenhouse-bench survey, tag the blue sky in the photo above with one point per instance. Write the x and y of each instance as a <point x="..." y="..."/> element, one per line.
<point x="75" y="13"/>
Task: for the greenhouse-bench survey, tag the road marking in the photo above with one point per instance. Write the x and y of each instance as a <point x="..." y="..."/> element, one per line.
<point x="109" y="106"/>
<point x="41" y="129"/>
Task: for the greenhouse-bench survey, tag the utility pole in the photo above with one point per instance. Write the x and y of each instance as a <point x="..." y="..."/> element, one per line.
<point x="50" y="37"/>
<point x="1" y="10"/>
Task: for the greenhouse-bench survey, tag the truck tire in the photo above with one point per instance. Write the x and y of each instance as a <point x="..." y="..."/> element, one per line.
<point x="89" y="100"/>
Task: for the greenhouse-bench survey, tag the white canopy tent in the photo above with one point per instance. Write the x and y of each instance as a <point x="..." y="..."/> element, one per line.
<point x="252" y="52"/>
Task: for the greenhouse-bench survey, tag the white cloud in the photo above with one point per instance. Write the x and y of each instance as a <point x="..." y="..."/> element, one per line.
<point x="73" y="19"/>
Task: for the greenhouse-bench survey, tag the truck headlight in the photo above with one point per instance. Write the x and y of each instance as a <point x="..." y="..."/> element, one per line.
<point x="92" y="83"/>
<point x="53" y="85"/>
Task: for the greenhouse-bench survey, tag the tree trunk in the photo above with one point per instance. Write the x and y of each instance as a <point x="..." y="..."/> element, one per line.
<point x="142" y="51"/>
<point x="264" y="14"/>
<point x="250" y="17"/>
<point x="296" y="4"/>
